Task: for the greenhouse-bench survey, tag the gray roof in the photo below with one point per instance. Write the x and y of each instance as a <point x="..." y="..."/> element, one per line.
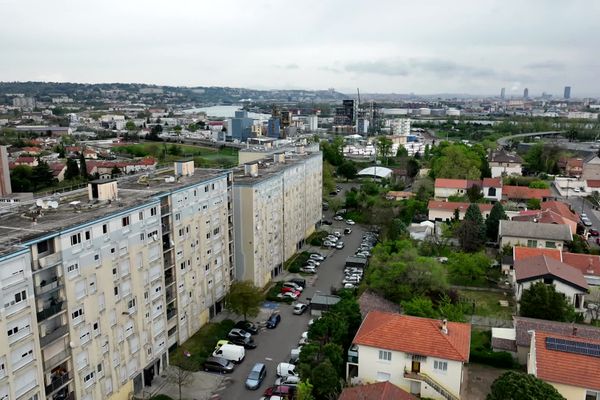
<point x="535" y="230"/>
<point x="523" y="325"/>
<point x="502" y="156"/>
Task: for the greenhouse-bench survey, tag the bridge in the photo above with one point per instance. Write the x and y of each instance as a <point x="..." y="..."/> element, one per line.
<point x="503" y="141"/>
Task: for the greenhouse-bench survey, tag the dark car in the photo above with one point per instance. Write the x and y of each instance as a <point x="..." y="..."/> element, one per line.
<point x="256" y="376"/>
<point x="594" y="232"/>
<point x="247" y="326"/>
<point x="248" y="343"/>
<point x="299" y="282"/>
<point x="334" y="193"/>
<point x="273" y="321"/>
<point x="347" y="231"/>
<point x="284" y="391"/>
<point x="218" y="364"/>
<point x="326" y="222"/>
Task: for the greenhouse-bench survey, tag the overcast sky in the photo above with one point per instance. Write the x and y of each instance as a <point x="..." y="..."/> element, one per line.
<point x="424" y="47"/>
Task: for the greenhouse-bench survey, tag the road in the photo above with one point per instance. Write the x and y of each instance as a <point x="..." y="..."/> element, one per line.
<point x="274" y="345"/>
<point x="581" y="205"/>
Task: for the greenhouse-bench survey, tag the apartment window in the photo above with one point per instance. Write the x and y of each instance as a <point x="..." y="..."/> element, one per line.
<point x="440" y="366"/>
<point x="207" y="267"/>
<point x="208" y="235"/>
<point x="88" y="235"/>
<point x="77" y="313"/>
<point x="96" y="328"/>
<point x="104" y="229"/>
<point x="89" y="378"/>
<point x="216" y="231"/>
<point x="125" y="221"/>
<point x="96" y="257"/>
<point x="75" y="239"/>
<point x="206" y="189"/>
<point x="116" y="290"/>
<point x="178" y="217"/>
<point x="550" y="245"/>
<point x="141" y="215"/>
<point x="212" y="186"/>
<point x="383" y="376"/>
<point x="532" y="243"/>
<point x="131" y="303"/>
<point x="592" y="395"/>
<point x="153" y="211"/>
<point x="20" y="296"/>
<point x="385" y="355"/>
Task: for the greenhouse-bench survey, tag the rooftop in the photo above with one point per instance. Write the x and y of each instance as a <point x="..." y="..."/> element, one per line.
<point x="535" y="230"/>
<point x="268" y="168"/>
<point x="501" y="156"/>
<point x="523" y="325"/>
<point x="375" y="391"/>
<point x="454" y="205"/>
<point x="524" y="192"/>
<point x="455" y="183"/>
<point x="74" y="208"/>
<point x="414" y="335"/>
<point x="543" y="266"/>
<point x="522" y="253"/>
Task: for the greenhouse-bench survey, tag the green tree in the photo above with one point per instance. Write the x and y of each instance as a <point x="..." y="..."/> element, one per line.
<point x="177" y="128"/>
<point x="332" y="152"/>
<point x="244" y="299"/>
<point x="397" y="229"/>
<point x="412" y="167"/>
<point x="471" y="232"/>
<point x="130" y="126"/>
<point x="41" y="175"/>
<point x="383" y="144"/>
<point x="192" y="127"/>
<point x="534" y="204"/>
<point x="21" y="179"/>
<point x="72" y="171"/>
<point x="468" y="268"/>
<point x="474" y="194"/>
<point x="458" y="161"/>
<point x="347" y="169"/>
<point x="174" y="150"/>
<point x="83" y="166"/>
<point x="305" y="390"/>
<point x="520" y="386"/>
<point x="325" y="380"/>
<point x="539" y="185"/>
<point x="115" y="171"/>
<point x="493" y="221"/>
<point x="419" y="306"/>
<point x="544" y="302"/>
<point x="452" y="311"/>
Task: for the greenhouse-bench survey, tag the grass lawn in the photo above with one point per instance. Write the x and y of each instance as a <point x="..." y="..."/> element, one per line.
<point x="200" y="346"/>
<point x="487" y="303"/>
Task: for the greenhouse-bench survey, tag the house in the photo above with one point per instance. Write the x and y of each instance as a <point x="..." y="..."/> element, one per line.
<point x="521" y="340"/>
<point x="394" y="195"/>
<point x="375" y="391"/>
<point x="571" y="166"/>
<point x="58" y="170"/>
<point x="566" y="279"/>
<point x="445" y="188"/>
<point x="524" y="193"/>
<point x="492" y="189"/>
<point x="552" y="212"/>
<point x="420" y="355"/>
<point x="445" y="210"/>
<point x="591" y="168"/>
<point x="503" y="163"/>
<point x="90" y="154"/>
<point x="34" y="151"/>
<point x="570" y="363"/>
<point x="31" y="161"/>
<point x="531" y="234"/>
<point x="522" y="253"/>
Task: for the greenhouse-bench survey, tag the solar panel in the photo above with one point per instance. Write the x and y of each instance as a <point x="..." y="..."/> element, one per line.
<point x="571" y="346"/>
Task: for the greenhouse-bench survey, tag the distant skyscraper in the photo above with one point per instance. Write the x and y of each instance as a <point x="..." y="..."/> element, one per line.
<point x="502" y="93"/>
<point x="241" y="126"/>
<point x="273" y="127"/>
<point x="526" y="93"/>
<point x="5" y="188"/>
<point x="344" y="115"/>
<point x="567" y="94"/>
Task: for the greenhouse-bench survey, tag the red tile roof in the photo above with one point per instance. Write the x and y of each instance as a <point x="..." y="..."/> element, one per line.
<point x="455" y="183"/>
<point x="588" y="264"/>
<point x="566" y="368"/>
<point x="523" y="192"/>
<point x="414" y="335"/>
<point x="522" y="253"/>
<point x="376" y="391"/>
<point x="560" y="208"/>
<point x="21" y="160"/>
<point x="538" y="267"/>
<point x="453" y="205"/>
<point x="492" y="182"/>
<point x="545" y="217"/>
<point x="31" y="149"/>
<point x="595" y="183"/>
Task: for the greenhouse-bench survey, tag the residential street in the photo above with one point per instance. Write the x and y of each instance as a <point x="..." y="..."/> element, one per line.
<point x="273" y="346"/>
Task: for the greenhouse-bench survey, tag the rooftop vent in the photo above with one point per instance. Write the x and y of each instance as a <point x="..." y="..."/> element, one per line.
<point x="102" y="190"/>
<point x="444" y="328"/>
<point x="184" y="168"/>
<point x="279" y="158"/>
<point x="251" y="169"/>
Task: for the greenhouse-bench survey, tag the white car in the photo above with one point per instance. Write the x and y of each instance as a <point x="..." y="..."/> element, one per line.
<point x="316" y="257"/>
<point x="308" y="270"/>
<point x="288" y="295"/>
<point x="349" y="286"/>
<point x="338" y="234"/>
<point x="350" y="222"/>
<point x="313" y="262"/>
<point x="338" y="218"/>
<point x="288" y="380"/>
<point x="327" y="243"/>
<point x="339" y="245"/>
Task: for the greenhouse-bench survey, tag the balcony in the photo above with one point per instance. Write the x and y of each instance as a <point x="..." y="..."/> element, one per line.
<point x="169" y="278"/>
<point x="57" y="359"/>
<point x="47" y="287"/>
<point x="13" y="279"/>
<point x="47" y="261"/>
<point x="353" y="355"/>
<point x="57" y="382"/>
<point x="171" y="313"/>
<point x="50" y="310"/>
<point x="53" y="335"/>
<point x="23" y="361"/>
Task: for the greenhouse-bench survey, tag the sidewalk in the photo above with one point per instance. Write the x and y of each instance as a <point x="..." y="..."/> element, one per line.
<point x="201" y="386"/>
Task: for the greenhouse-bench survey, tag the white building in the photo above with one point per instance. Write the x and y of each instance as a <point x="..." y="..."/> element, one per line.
<point x="313" y="123"/>
<point x="400" y="126"/>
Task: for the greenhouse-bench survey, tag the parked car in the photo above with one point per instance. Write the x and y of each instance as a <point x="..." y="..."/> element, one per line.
<point x="350" y="222"/>
<point x="247" y="326"/>
<point x="285" y="369"/>
<point x="339" y="245"/>
<point x="299" y="308"/>
<point x="338" y="218"/>
<point x="586" y="222"/>
<point x="326" y="222"/>
<point x="334" y="193"/>
<point x="231" y="352"/>
<point x="256" y="376"/>
<point x="290" y="295"/>
<point x="313" y="262"/>
<point x="238" y="333"/>
<point x="293" y="286"/>
<point x="299" y="282"/>
<point x="218" y="364"/>
<point x="285" y="289"/>
<point x="247" y="343"/>
<point x="316" y="257"/>
<point x="284" y="391"/>
<point x="273" y="321"/>
<point x="288" y="380"/>
<point x="337" y="234"/>
<point x="347" y="231"/>
<point x="308" y="269"/>
<point x="594" y="232"/>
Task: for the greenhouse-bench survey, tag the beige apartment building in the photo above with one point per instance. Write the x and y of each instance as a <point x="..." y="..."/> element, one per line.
<point x="104" y="281"/>
<point x="277" y="205"/>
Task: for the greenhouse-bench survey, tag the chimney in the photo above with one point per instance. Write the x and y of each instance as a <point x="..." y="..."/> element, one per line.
<point x="279" y="158"/>
<point x="444" y="327"/>
<point x="574" y="331"/>
<point x="251" y="169"/>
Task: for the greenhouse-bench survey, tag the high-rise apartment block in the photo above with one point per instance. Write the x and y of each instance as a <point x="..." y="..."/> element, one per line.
<point x="5" y="186"/>
<point x="526" y="93"/>
<point x="24" y="102"/>
<point x="344" y="115"/>
<point x="567" y="93"/>
<point x="502" y="93"/>
<point x="97" y="286"/>
<point x="277" y="205"/>
<point x="240" y="126"/>
<point x="313" y="123"/>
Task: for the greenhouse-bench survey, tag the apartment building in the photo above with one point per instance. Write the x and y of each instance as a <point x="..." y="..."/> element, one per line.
<point x="277" y="203"/>
<point x="120" y="273"/>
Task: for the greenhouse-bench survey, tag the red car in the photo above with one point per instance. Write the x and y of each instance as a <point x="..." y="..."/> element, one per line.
<point x="282" y="391"/>
<point x="594" y="232"/>
<point x="286" y="289"/>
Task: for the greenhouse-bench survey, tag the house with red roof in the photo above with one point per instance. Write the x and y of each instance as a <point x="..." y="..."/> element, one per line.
<point x="570" y="363"/>
<point x="445" y="188"/>
<point x="444" y="210"/>
<point x="572" y="166"/>
<point x="375" y="391"/>
<point x="492" y="189"/>
<point x="422" y="356"/>
<point x="551" y="212"/>
<point x="524" y="193"/>
<point x="31" y="161"/>
<point x="34" y="151"/>
<point x="566" y="279"/>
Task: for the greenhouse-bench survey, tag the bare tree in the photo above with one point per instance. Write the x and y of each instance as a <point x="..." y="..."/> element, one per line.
<point x="180" y="377"/>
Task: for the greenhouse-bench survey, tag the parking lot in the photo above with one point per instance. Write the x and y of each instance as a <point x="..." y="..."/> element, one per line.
<point x="274" y="345"/>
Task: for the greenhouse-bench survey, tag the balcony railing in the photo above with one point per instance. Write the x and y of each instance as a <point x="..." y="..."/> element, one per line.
<point x="431" y="382"/>
<point x="57" y="383"/>
<point x="48" y="261"/>
<point x="51" y="310"/>
<point x="55" y="334"/>
<point x="46" y="287"/>
<point x="171" y="313"/>
<point x="57" y="359"/>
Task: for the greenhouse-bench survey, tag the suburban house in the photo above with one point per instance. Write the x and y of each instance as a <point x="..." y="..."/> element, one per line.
<point x="532" y="234"/>
<point x="551" y="212"/>
<point x="519" y="344"/>
<point x="591" y="168"/>
<point x="570" y="363"/>
<point x="524" y="193"/>
<point x="31" y="161"/>
<point x="58" y="170"/>
<point x="398" y="195"/>
<point x="375" y="391"/>
<point x="33" y="151"/>
<point x="444" y="210"/>
<point x="492" y="189"/>
<point x="420" y="355"/>
<point x="566" y="279"/>
<point x="571" y="166"/>
<point x="503" y="163"/>
<point x="445" y="188"/>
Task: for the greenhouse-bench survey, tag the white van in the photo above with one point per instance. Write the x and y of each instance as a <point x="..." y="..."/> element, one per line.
<point x="230" y="352"/>
<point x="285" y="369"/>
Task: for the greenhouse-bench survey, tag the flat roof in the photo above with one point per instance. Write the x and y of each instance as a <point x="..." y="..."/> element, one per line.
<point x="268" y="168"/>
<point x="74" y="208"/>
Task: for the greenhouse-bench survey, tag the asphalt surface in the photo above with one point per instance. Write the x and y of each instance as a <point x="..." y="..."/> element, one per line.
<point x="579" y="205"/>
<point x="274" y="345"/>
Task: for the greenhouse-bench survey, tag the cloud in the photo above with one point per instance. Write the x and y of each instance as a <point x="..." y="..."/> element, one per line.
<point x="329" y="69"/>
<point x="389" y="68"/>
<point x="288" y="66"/>
<point x="549" y="64"/>
<point x="416" y="66"/>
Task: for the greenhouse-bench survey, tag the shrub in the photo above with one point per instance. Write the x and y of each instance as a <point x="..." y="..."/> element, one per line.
<point x="498" y="359"/>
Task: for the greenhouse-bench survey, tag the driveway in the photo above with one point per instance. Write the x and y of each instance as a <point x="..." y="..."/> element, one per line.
<point x="478" y="379"/>
<point x="273" y="346"/>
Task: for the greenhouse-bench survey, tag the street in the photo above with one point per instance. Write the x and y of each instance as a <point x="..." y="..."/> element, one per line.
<point x="274" y="345"/>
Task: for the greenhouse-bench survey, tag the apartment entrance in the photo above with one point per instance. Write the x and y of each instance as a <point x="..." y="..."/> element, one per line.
<point x="416" y="366"/>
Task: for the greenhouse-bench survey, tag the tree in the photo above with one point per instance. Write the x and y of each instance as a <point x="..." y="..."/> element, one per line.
<point x="41" y="175"/>
<point x="244" y="299"/>
<point x="83" y="167"/>
<point x="347" y="169"/>
<point x="305" y="389"/>
<point x="458" y="161"/>
<point x="544" y="302"/>
<point x="412" y="168"/>
<point x="534" y="204"/>
<point x="115" y="171"/>
<point x="72" y="171"/>
<point x="474" y="194"/>
<point x="468" y="268"/>
<point x="419" y="306"/>
<point x="519" y="386"/>
<point x="181" y="376"/>
<point x="384" y="146"/>
<point x="493" y="221"/>
<point x="130" y="126"/>
<point x="471" y="232"/>
<point x="21" y="179"/>
<point x="325" y="380"/>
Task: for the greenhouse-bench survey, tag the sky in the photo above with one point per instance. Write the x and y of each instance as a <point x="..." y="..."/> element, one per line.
<point x="379" y="46"/>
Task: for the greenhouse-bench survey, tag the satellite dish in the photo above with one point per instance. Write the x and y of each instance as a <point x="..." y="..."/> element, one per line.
<point x="53" y="204"/>
<point x="39" y="202"/>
